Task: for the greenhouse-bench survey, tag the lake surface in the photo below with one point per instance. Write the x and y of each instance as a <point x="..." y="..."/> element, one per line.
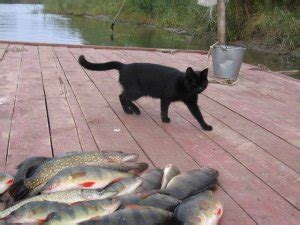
<point x="28" y="22"/>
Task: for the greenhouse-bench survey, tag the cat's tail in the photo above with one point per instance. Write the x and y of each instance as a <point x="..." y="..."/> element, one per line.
<point x="99" y="66"/>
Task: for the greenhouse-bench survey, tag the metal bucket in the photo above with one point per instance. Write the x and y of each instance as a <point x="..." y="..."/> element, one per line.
<point x="227" y="60"/>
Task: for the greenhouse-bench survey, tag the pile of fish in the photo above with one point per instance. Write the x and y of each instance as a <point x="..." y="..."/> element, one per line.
<point x="107" y="188"/>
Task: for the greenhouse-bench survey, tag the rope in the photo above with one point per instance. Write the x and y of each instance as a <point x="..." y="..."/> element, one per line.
<point x="116" y="17"/>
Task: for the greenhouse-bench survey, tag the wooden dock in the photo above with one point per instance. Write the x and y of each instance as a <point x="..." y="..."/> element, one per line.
<point x="50" y="105"/>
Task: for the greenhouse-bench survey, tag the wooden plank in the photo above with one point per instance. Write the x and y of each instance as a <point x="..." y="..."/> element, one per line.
<point x="108" y="131"/>
<point x="9" y="75"/>
<point x="29" y="131"/>
<point x="275" y="146"/>
<point x="98" y="47"/>
<point x="58" y="87"/>
<point x="254" y="183"/>
<point x="3" y="50"/>
<point x="153" y="140"/>
<point x="63" y="129"/>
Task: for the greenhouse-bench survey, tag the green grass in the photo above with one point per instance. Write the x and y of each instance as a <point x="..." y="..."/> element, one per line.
<point x="277" y="26"/>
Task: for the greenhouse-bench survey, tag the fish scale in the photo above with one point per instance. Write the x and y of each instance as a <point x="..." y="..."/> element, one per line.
<point x="50" y="168"/>
<point x="62" y="197"/>
<point x="135" y="216"/>
<point x="83" y="211"/>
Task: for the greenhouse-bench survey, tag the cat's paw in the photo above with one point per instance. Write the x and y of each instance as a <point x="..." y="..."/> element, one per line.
<point x="128" y="110"/>
<point x="207" y="128"/>
<point x="135" y="109"/>
<point x="166" y="120"/>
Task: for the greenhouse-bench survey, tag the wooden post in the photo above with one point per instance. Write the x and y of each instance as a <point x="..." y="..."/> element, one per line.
<point x="221" y="22"/>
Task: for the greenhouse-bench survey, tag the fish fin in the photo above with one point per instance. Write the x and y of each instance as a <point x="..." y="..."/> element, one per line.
<point x="18" y="190"/>
<point x="132" y="206"/>
<point x="141" y="167"/>
<point x="31" y="171"/>
<point x="42" y="221"/>
<point x="116" y="180"/>
<point x="49" y="217"/>
<point x="10" y="181"/>
<point x="87" y="184"/>
<point x="75" y="203"/>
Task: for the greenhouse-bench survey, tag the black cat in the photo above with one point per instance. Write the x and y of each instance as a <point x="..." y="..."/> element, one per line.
<point x="157" y="81"/>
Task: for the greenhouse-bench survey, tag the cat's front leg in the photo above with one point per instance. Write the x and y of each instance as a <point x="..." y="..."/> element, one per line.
<point x="194" y="109"/>
<point x="164" y="107"/>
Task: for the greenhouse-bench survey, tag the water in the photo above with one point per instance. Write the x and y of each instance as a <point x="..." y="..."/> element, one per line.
<point x="28" y="22"/>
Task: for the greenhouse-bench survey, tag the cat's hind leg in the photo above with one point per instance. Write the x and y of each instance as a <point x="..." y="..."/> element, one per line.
<point x="125" y="104"/>
<point x="127" y="98"/>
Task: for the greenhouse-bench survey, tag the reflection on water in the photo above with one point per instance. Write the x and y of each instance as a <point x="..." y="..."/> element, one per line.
<point x="26" y="22"/>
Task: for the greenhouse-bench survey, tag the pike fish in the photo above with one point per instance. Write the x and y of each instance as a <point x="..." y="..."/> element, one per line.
<point x="67" y="197"/>
<point x="83" y="177"/>
<point x="170" y="171"/>
<point x="151" y="180"/>
<point x="6" y="181"/>
<point x="35" y="212"/>
<point x="50" y="168"/>
<point x="27" y="168"/>
<point x="135" y="216"/>
<point x="125" y="186"/>
<point x="155" y="200"/>
<point x="201" y="209"/>
<point x="83" y="211"/>
<point x="191" y="182"/>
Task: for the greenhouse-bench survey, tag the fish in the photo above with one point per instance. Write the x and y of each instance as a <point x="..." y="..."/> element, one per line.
<point x="151" y="180"/>
<point x="6" y="181"/>
<point x="125" y="186"/>
<point x="83" y="177"/>
<point x="83" y="211"/>
<point x="35" y="212"/>
<point x="191" y="183"/>
<point x="45" y="172"/>
<point x="27" y="168"/>
<point x="170" y="171"/>
<point x="135" y="215"/>
<point x="201" y="209"/>
<point x="155" y="200"/>
<point x="67" y="197"/>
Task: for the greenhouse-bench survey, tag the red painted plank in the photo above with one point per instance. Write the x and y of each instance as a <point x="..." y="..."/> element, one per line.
<point x="29" y="132"/>
<point x="9" y="74"/>
<point x="64" y="132"/>
<point x="290" y="193"/>
<point x="153" y="140"/>
<point x="266" y="140"/>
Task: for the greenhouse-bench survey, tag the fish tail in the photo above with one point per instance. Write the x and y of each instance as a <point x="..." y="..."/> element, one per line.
<point x="18" y="190"/>
<point x="141" y="167"/>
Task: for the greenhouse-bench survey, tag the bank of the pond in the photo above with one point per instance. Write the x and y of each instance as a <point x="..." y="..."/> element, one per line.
<point x="275" y="23"/>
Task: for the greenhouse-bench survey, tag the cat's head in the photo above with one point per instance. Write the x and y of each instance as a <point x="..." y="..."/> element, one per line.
<point x="195" y="82"/>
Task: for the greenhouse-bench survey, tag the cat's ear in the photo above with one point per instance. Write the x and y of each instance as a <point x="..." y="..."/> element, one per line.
<point x="189" y="71"/>
<point x="204" y="72"/>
